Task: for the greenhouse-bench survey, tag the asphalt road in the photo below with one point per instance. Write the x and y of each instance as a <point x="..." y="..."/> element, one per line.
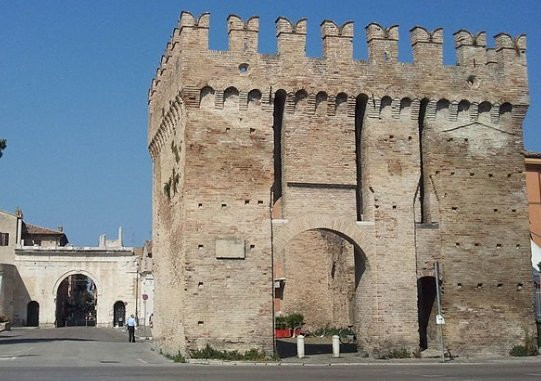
<point x="386" y="372"/>
<point x="84" y="354"/>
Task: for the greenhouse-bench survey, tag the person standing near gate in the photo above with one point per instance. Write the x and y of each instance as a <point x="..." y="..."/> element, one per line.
<point x="131" y="328"/>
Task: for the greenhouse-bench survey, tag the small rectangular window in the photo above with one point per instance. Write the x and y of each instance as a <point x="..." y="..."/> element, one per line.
<point x="4" y="239"/>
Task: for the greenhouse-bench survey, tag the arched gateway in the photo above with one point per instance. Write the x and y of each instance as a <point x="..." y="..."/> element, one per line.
<point x="322" y="270"/>
<point x="76" y="300"/>
<point x="76" y="286"/>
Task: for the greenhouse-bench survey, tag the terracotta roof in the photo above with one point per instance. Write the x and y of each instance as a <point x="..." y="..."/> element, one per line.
<point x="34" y="229"/>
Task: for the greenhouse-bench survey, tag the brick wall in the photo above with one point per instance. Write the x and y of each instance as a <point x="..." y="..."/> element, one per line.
<point x="391" y="136"/>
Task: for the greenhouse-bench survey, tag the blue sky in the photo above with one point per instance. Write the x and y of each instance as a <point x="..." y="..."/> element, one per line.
<point x="74" y="77"/>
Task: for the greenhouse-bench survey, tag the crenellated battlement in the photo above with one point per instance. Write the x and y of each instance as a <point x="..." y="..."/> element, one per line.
<point x="337" y="40"/>
<point x="470" y="49"/>
<point x="382" y="43"/>
<point x="427" y="46"/>
<point x="243" y="36"/>
<point x="498" y="70"/>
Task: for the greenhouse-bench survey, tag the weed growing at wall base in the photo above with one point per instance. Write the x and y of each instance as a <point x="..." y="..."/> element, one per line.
<point x="176" y="358"/>
<point x="210" y="353"/>
<point x="528" y="349"/>
<point x="397" y="354"/>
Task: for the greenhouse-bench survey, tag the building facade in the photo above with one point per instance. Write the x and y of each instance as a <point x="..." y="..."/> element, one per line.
<point x="280" y="178"/>
<point x="46" y="282"/>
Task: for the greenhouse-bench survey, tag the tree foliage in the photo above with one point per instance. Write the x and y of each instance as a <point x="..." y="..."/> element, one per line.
<point x="3" y="145"/>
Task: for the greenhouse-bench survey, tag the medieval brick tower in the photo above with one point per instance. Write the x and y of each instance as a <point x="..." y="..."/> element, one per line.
<point x="331" y="186"/>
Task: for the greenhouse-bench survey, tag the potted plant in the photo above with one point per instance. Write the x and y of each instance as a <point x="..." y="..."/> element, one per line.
<point x="281" y="329"/>
<point x="295" y="321"/>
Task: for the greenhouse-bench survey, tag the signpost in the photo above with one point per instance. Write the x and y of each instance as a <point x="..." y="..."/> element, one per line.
<point x="145" y="297"/>
<point x="440" y="321"/>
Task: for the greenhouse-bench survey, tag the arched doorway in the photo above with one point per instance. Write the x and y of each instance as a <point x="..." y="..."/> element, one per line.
<point x="119" y="314"/>
<point x="32" y="314"/>
<point x="426" y="296"/>
<point x="321" y="274"/>
<point x="76" y="300"/>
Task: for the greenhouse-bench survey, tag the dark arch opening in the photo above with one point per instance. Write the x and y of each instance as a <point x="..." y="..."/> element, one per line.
<point x="360" y="109"/>
<point x="320" y="278"/>
<point x="385" y="107"/>
<point x="341" y="104"/>
<point x="254" y="97"/>
<point x="321" y="103"/>
<point x="463" y="113"/>
<point x="426" y="296"/>
<point x="76" y="300"/>
<point x="278" y="115"/>
<point x="119" y="314"/>
<point x="423" y="194"/>
<point x="32" y="314"/>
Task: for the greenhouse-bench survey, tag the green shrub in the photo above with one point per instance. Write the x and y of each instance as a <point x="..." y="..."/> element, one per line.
<point x="280" y="322"/>
<point x="518" y="351"/>
<point x="176" y="358"/>
<point x="210" y="353"/>
<point x="327" y="331"/>
<point x="397" y="354"/>
<point x="294" y="320"/>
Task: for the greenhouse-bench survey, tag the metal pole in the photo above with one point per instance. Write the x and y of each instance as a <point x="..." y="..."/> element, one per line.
<point x="273" y="291"/>
<point x="438" y="300"/>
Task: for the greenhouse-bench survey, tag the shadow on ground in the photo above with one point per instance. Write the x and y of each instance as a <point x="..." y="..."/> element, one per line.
<point x="288" y="347"/>
<point x="15" y="340"/>
<point x="74" y="334"/>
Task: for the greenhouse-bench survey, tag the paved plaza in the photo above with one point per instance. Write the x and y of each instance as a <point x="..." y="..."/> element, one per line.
<point x="74" y="346"/>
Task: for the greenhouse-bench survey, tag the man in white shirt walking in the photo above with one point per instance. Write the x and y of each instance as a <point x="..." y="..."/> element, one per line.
<point x="131" y="328"/>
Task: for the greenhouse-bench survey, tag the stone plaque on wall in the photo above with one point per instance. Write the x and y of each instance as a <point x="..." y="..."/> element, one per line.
<point x="229" y="249"/>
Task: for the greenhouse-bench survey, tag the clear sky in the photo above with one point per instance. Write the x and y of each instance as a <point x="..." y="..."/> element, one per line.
<point x="74" y="77"/>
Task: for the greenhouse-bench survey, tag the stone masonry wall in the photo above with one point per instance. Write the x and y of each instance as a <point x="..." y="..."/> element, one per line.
<point x="478" y="175"/>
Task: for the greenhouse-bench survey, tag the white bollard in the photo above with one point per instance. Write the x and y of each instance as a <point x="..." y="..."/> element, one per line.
<point x="335" y="346"/>
<point x="300" y="346"/>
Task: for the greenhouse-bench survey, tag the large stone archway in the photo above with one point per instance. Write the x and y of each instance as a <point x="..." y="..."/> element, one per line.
<point x="362" y="293"/>
<point x="64" y="276"/>
<point x="114" y="273"/>
<point x="76" y="299"/>
<point x="360" y="233"/>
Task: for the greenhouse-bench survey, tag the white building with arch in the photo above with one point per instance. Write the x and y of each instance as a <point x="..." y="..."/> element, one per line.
<point x="42" y="270"/>
<point x="34" y="261"/>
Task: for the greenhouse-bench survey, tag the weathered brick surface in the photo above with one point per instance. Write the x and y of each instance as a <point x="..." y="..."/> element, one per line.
<point x="325" y="263"/>
<point x="389" y="143"/>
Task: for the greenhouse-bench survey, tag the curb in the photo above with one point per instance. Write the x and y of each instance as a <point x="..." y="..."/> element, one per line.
<point x="368" y="363"/>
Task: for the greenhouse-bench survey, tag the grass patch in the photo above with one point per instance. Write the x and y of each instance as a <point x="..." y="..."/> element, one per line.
<point x="176" y="358"/>
<point x="210" y="353"/>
